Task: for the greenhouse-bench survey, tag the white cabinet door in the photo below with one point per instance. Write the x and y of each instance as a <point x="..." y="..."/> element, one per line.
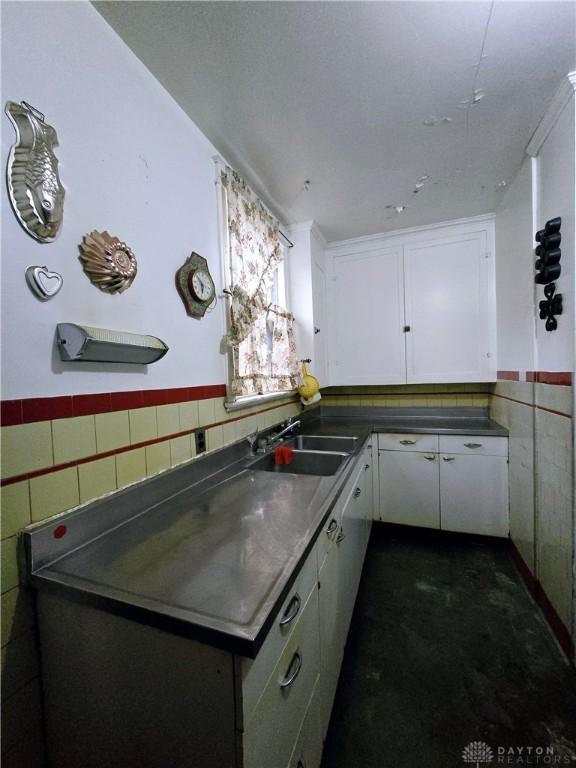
<point x="474" y="494"/>
<point x="320" y="329"/>
<point x="367" y="317"/>
<point x="409" y="488"/>
<point x="331" y="647"/>
<point x="449" y="309"/>
<point x="308" y="750"/>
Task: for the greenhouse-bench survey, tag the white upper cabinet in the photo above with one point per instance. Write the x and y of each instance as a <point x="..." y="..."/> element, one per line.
<point x="367" y="315"/>
<point x="414" y="307"/>
<point x="320" y="329"/>
<point x="448" y="310"/>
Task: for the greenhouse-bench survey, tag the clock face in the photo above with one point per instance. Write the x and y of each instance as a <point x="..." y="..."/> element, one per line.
<point x="202" y="285"/>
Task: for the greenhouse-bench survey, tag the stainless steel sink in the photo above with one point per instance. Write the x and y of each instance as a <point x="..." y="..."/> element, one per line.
<point x="322" y="443"/>
<point x="303" y="463"/>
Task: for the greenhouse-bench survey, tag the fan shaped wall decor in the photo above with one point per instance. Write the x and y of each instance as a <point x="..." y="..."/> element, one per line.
<point x="108" y="262"/>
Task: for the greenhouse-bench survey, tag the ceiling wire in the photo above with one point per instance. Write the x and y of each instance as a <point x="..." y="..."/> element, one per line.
<point x="477" y="67"/>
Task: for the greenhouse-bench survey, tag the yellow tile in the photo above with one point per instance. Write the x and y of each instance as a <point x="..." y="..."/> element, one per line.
<point x="112" y="431"/>
<point x="143" y="425"/>
<point x="15" y="505"/>
<point x="26" y="447"/>
<point x="220" y="413"/>
<point x="17" y="613"/>
<point x="130" y="467"/>
<point x="206" y="412"/>
<point x="97" y="478"/>
<point x="53" y="493"/>
<point x="168" y="418"/>
<point x="73" y="438"/>
<point x="19" y="662"/>
<point x="188" y="415"/>
<point x="157" y="457"/>
<point x="9" y="565"/>
<point x="180" y="449"/>
<point x="214" y="438"/>
<point x="229" y="433"/>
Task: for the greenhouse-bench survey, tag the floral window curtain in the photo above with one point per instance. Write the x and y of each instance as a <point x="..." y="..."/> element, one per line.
<point x="260" y="334"/>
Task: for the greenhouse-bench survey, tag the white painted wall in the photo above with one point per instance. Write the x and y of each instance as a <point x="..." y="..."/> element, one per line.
<point x="133" y="163"/>
<point x="556" y="194"/>
<point x="515" y="274"/>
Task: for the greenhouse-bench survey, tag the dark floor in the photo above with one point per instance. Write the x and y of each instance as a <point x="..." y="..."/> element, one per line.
<point x="445" y="648"/>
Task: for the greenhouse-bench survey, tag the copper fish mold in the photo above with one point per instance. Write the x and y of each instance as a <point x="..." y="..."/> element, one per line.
<point x="34" y="185"/>
<point x="108" y="262"/>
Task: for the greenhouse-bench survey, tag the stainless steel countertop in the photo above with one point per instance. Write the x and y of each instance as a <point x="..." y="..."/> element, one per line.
<point x="208" y="550"/>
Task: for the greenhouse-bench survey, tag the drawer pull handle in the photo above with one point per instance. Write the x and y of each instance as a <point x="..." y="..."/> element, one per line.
<point x="341" y="536"/>
<point x="430" y="458"/>
<point x="448" y="458"/>
<point x="366" y="466"/>
<point x="407" y="442"/>
<point x="473" y="445"/>
<point x="292" y="610"/>
<point x="293" y="670"/>
<point x="332" y="528"/>
<point x="357" y="492"/>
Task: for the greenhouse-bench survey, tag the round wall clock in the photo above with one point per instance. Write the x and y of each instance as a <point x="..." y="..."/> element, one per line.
<point x="195" y="285"/>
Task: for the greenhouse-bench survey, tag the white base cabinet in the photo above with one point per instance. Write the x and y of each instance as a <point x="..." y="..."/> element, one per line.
<point x="453" y="482"/>
<point x="347" y="532"/>
<point x="474" y="494"/>
<point x="409" y="488"/>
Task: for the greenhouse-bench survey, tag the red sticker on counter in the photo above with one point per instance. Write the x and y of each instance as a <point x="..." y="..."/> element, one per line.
<point x="60" y="531"/>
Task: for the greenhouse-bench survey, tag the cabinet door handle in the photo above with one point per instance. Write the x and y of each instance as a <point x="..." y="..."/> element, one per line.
<point x="332" y="528"/>
<point x="430" y="458"/>
<point x="366" y="466"/>
<point x="293" y="670"/>
<point x="473" y="445"/>
<point x="292" y="610"/>
<point x="448" y="458"/>
<point x="316" y="331"/>
<point x="407" y="442"/>
<point x="357" y="492"/>
<point x="341" y="536"/>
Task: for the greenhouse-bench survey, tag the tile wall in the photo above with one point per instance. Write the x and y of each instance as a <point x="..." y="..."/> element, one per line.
<point x="539" y="418"/>
<point x="50" y="465"/>
<point x="407" y="396"/>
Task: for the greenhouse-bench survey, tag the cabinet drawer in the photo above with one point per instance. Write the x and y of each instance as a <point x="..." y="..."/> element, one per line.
<point x="271" y="735"/>
<point x="308" y="750"/>
<point x="471" y="444"/>
<point x="408" y="442"/>
<point x="256" y="672"/>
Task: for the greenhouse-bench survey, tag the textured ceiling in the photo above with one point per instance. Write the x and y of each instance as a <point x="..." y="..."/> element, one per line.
<point x="337" y="93"/>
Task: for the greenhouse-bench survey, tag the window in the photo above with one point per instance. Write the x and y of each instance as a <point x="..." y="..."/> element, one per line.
<point x="262" y="358"/>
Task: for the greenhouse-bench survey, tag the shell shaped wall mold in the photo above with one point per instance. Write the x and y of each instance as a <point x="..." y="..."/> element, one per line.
<point x="32" y="176"/>
<point x="108" y="262"/>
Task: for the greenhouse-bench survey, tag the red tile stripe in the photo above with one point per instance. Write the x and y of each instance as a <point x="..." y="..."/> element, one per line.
<point x="126" y="448"/>
<point x="533" y="405"/>
<point x="541" y="598"/>
<point x="559" y="378"/>
<point x="32" y="409"/>
<point x="508" y="375"/>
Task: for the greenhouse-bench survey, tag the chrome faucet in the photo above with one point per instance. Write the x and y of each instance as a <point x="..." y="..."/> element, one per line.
<point x="288" y="428"/>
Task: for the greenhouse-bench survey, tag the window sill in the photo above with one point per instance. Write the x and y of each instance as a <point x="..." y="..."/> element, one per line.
<point x="251" y="400"/>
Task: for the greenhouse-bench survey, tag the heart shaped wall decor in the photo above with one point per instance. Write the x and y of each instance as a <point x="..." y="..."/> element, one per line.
<point x="43" y="283"/>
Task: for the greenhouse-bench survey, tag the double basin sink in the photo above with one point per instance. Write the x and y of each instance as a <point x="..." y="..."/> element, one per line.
<point x="312" y="455"/>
